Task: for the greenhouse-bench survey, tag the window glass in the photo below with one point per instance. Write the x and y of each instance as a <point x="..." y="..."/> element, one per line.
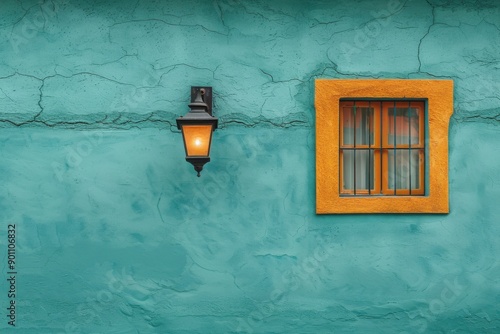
<point x="358" y="122"/>
<point x="358" y="169"/>
<point x="403" y="126"/>
<point x="398" y="171"/>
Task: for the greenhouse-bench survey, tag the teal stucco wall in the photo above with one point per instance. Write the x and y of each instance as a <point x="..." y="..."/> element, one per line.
<point x="114" y="233"/>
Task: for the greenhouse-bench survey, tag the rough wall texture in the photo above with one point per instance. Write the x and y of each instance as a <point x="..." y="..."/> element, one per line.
<point x="114" y="232"/>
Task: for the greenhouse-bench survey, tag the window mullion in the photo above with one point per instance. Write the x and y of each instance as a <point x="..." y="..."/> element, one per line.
<point x="394" y="142"/>
<point x="354" y="111"/>
<point x="381" y="110"/>
<point x="343" y="184"/>
<point x="369" y="149"/>
<point x="409" y="142"/>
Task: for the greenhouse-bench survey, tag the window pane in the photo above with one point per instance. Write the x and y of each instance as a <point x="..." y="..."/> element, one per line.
<point x="358" y="173"/>
<point x="415" y="169"/>
<point x="348" y="170"/>
<point x="364" y="116"/>
<point x="358" y="123"/>
<point x="404" y="122"/>
<point x="364" y="169"/>
<point x="348" y="126"/>
<point x="399" y="171"/>
<point x="415" y="114"/>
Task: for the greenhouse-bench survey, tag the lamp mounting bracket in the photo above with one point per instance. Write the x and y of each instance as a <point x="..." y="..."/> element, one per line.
<point x="206" y="94"/>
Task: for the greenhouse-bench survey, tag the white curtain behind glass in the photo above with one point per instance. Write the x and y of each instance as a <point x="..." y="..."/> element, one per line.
<point x="358" y="163"/>
<point x="404" y="170"/>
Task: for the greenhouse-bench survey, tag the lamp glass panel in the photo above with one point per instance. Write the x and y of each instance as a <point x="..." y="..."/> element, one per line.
<point x="197" y="139"/>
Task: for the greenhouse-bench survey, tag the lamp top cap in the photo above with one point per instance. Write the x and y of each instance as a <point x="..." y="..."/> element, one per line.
<point x="198" y="105"/>
<point x="201" y="98"/>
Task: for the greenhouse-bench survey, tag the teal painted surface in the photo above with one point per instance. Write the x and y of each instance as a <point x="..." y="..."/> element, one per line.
<point x="116" y="234"/>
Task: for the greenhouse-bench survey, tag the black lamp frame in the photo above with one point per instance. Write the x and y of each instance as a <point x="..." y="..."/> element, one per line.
<point x="200" y="114"/>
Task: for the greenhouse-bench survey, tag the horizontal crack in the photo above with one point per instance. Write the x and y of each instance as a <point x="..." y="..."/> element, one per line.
<point x="486" y="116"/>
<point x="152" y="20"/>
<point x="157" y="119"/>
<point x="288" y="121"/>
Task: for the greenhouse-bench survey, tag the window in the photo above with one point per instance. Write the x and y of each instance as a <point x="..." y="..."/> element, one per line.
<point x="382" y="145"/>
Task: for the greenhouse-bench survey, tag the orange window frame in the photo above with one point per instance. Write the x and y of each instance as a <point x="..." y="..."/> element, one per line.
<point x="438" y="95"/>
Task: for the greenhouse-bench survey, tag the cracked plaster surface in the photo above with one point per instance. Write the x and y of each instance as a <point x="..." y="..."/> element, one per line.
<point x="66" y="62"/>
<point x="169" y="258"/>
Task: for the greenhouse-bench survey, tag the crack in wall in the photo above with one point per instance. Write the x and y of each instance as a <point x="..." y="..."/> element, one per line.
<point x="220" y="13"/>
<point x="291" y="120"/>
<point x="170" y="24"/>
<point x="43" y="80"/>
<point x="91" y="121"/>
<point x="154" y="119"/>
<point x="6" y="96"/>
<point x="127" y="120"/>
<point x="491" y="116"/>
<point x="26" y="12"/>
<point x="67" y="77"/>
<point x="419" y="49"/>
<point x="157" y="119"/>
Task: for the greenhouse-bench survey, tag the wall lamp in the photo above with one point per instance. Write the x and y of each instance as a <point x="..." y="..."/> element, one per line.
<point x="197" y="127"/>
